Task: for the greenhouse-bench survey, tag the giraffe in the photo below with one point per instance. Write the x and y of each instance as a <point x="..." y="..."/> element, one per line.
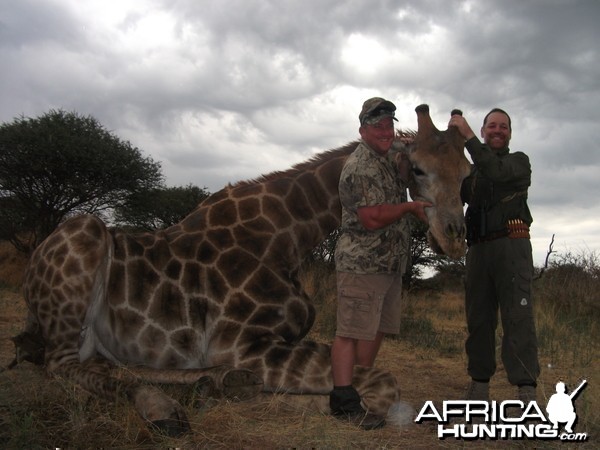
<point x="438" y="167"/>
<point x="215" y="298"/>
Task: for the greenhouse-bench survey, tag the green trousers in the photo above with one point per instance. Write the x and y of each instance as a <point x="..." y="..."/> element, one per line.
<point x="499" y="275"/>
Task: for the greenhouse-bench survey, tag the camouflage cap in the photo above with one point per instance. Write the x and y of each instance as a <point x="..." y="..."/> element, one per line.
<point x="375" y="109"/>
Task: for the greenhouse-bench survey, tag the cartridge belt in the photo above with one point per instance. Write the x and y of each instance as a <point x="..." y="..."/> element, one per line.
<point x="515" y="229"/>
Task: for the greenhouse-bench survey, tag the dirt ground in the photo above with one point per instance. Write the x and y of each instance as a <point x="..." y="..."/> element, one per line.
<point x="41" y="412"/>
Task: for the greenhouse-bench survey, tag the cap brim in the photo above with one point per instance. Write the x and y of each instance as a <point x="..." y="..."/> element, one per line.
<point x="373" y="120"/>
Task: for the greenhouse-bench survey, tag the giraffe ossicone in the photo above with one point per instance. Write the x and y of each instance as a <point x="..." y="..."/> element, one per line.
<point x="216" y="297"/>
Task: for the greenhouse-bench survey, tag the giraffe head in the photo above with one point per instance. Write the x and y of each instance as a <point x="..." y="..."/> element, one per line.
<point x="439" y="166"/>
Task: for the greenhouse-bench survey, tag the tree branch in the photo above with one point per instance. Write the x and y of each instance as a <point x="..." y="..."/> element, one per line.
<point x="550" y="251"/>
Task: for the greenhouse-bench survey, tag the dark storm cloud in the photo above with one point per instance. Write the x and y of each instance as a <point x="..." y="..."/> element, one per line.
<point x="223" y="91"/>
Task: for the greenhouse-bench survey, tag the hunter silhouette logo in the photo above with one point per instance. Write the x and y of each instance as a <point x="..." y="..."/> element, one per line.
<point x="560" y="406"/>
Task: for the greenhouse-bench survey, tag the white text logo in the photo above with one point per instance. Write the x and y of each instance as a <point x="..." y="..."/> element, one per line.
<point x="510" y="419"/>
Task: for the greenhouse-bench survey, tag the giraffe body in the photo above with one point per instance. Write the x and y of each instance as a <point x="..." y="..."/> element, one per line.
<point x="215" y="296"/>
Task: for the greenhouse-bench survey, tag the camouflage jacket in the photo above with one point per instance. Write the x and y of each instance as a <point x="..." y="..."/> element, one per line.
<point x="370" y="179"/>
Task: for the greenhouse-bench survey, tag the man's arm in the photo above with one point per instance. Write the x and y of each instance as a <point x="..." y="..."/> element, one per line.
<point x="512" y="167"/>
<point x="379" y="216"/>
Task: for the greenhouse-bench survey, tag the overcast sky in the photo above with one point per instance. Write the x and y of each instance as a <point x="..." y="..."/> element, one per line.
<point x="221" y="91"/>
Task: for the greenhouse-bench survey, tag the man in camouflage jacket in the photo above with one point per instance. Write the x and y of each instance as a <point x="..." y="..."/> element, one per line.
<point x="371" y="255"/>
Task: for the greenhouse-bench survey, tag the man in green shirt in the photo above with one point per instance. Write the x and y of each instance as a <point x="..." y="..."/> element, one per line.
<point x="371" y="255"/>
<point x="499" y="260"/>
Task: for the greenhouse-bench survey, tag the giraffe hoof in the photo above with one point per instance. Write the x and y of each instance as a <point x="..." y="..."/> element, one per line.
<point x="241" y="384"/>
<point x="160" y="411"/>
<point x="172" y="427"/>
<point x="206" y="387"/>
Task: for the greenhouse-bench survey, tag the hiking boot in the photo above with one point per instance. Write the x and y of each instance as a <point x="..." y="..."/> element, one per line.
<point x="527" y="394"/>
<point x="344" y="402"/>
<point x="478" y="390"/>
<point x="362" y="419"/>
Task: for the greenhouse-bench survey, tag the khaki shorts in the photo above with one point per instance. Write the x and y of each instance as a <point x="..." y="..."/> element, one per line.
<point x="367" y="304"/>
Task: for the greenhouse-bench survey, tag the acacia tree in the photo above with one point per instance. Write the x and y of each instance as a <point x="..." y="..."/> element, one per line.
<point x="159" y="208"/>
<point x="62" y="164"/>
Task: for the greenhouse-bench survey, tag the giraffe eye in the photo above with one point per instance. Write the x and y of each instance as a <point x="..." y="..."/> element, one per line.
<point x="417" y="172"/>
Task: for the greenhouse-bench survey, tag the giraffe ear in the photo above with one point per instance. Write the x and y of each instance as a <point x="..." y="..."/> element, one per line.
<point x="402" y="147"/>
<point x="404" y="141"/>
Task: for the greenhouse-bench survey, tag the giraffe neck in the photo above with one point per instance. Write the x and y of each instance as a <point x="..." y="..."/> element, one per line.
<point x="289" y="212"/>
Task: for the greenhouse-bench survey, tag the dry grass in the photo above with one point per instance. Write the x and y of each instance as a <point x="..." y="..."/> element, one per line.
<point x="12" y="266"/>
<point x="428" y="359"/>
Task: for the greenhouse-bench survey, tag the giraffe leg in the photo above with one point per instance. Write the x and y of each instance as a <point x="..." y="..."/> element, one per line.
<point x="380" y="394"/>
<point x="378" y="388"/>
<point x="232" y="383"/>
<point x="238" y="384"/>
<point x="305" y="368"/>
<point x="153" y="405"/>
<point x="64" y="286"/>
<point x="29" y="344"/>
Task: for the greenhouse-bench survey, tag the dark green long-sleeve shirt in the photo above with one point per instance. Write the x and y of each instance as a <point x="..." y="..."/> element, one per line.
<point x="496" y="190"/>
